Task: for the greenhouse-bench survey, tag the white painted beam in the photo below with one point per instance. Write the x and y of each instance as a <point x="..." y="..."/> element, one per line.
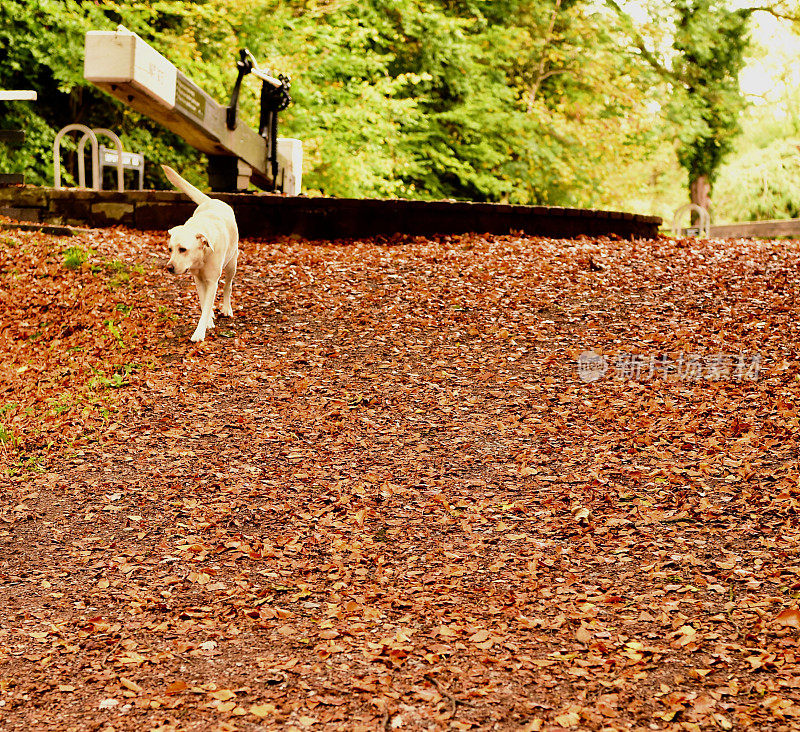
<point x="7" y="95"/>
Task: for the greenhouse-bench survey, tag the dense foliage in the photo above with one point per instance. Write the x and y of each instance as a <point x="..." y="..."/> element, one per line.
<point x="565" y="102"/>
<point x="761" y="177"/>
<point x="501" y="101"/>
<point x="763" y="183"/>
<point x="761" y="180"/>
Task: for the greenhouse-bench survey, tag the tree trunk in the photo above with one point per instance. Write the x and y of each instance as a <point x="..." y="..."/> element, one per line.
<point x="700" y="194"/>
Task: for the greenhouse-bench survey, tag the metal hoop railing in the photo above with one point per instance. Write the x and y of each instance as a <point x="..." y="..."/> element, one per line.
<point x="704" y="224"/>
<point x="117" y="143"/>
<point x="81" y="172"/>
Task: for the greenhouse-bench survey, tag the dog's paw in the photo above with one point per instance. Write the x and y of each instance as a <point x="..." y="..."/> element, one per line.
<point x="227" y="310"/>
<point x="210" y="325"/>
<point x="198" y="336"/>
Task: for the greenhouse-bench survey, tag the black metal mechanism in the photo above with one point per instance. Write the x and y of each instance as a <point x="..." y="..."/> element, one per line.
<point x="245" y="66"/>
<point x="274" y="98"/>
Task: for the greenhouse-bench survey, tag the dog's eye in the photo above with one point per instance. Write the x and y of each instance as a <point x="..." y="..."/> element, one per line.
<point x="182" y="250"/>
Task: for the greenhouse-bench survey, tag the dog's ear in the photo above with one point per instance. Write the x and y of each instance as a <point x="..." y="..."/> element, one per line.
<point x="203" y="240"/>
<point x="172" y="231"/>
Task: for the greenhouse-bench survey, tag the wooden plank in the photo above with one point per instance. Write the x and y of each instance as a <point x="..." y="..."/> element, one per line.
<point x="330" y="218"/>
<point x="122" y="64"/>
<point x="757" y="229"/>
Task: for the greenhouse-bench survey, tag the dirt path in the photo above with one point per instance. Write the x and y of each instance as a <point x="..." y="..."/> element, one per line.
<point x="381" y="497"/>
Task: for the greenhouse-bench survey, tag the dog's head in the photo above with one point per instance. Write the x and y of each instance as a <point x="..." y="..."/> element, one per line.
<point x="187" y="249"/>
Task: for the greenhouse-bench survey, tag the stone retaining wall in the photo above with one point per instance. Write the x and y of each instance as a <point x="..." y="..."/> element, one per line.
<point x="265" y="215"/>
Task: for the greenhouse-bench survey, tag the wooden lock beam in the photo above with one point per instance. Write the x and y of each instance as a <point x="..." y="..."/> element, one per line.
<point x="122" y="64"/>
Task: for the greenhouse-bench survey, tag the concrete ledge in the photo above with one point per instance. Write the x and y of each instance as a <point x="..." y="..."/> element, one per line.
<point x="265" y="215"/>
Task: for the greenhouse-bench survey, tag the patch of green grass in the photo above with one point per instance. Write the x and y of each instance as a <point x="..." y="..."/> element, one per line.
<point x="117" y="380"/>
<point x="62" y="405"/>
<point x="165" y="313"/>
<point x="7" y="435"/>
<point x="74" y="257"/>
<point x="121" y="272"/>
<point x="114" y="330"/>
<point x="34" y="463"/>
<point x="7" y="407"/>
<point x="31" y="464"/>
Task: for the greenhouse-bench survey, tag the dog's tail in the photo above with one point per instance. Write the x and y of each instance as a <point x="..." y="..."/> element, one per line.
<point x="183" y="185"/>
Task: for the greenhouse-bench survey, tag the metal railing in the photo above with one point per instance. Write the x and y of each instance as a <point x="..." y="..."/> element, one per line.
<point x="91" y="135"/>
<point x="703" y="224"/>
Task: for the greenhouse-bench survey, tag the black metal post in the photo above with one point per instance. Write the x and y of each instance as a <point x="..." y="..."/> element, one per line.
<point x="245" y="66"/>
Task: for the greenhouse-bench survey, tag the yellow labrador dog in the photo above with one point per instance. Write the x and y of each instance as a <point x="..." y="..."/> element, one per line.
<point x="207" y="245"/>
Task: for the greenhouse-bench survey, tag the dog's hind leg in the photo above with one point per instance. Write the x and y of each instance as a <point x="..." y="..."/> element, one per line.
<point x="229" y="273"/>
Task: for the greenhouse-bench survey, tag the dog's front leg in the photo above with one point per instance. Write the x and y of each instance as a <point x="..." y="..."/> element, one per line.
<point x="202" y="287"/>
<point x="207" y="291"/>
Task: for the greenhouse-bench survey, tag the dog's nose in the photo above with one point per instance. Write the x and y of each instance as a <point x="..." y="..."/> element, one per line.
<point x="171" y="268"/>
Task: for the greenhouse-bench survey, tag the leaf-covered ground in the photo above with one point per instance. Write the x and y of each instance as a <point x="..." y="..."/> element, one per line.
<point x="383" y="497"/>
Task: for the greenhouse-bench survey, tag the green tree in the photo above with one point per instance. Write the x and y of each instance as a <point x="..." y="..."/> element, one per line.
<point x="592" y="106"/>
<point x="710" y="43"/>
<point x="504" y="101"/>
<point x="402" y="98"/>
